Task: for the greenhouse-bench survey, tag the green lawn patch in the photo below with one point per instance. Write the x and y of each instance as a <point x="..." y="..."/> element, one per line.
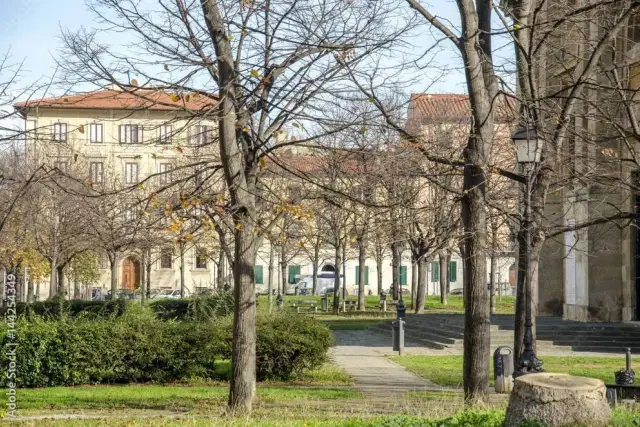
<point x="447" y="370"/>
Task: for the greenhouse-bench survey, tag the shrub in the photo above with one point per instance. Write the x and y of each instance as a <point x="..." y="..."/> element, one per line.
<point x="200" y="308"/>
<point x="56" y="307"/>
<point x="136" y="346"/>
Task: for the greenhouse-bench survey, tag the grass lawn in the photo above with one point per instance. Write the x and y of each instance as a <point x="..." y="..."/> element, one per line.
<point x="447" y="370"/>
<point x="326" y="375"/>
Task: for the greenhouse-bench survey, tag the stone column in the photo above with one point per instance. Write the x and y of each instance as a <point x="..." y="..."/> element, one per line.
<point x="576" y="260"/>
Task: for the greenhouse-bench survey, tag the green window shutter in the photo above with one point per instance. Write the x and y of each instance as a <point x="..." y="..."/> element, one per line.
<point x="294" y="270"/>
<point x="435" y="271"/>
<point x="366" y="275"/>
<point x="258" y="274"/>
<point x="453" y="271"/>
<point x="403" y="275"/>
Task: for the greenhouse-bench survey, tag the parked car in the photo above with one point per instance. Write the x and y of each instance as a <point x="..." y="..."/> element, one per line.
<point x="458" y="291"/>
<point x="167" y="293"/>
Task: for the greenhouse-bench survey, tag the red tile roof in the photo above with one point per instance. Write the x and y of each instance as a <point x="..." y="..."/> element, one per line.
<point x="452" y="108"/>
<point x="140" y="99"/>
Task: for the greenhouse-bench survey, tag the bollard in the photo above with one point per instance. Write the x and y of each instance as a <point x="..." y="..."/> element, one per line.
<point x="325" y="303"/>
<point x="397" y="333"/>
<point x="503" y="369"/>
<point x="384" y="304"/>
<point x="401" y="309"/>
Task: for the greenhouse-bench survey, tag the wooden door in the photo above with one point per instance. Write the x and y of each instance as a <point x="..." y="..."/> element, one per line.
<point x="129" y="274"/>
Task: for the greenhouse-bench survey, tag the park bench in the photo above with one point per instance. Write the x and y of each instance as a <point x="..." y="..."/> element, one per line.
<point x="309" y="305"/>
<point x="616" y="393"/>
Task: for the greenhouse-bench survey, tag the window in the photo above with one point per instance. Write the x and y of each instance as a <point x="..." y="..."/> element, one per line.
<point x="366" y="275"/>
<point x="59" y="131"/>
<point x="61" y="165"/>
<point x="95" y="172"/>
<point x="201" y="258"/>
<point x="130" y="134"/>
<point x="435" y="271"/>
<point x="258" y="275"/>
<point x="453" y="271"/>
<point x="166" y="258"/>
<point x="95" y="132"/>
<point x="201" y="135"/>
<point x="294" y="274"/>
<point x="164" y="134"/>
<point x="164" y="169"/>
<point x="403" y="275"/>
<point x="131" y="173"/>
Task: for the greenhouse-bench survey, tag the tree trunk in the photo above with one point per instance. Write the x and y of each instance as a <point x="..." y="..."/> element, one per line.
<point x="492" y="284"/>
<point x="30" y="289"/>
<point x="182" y="284"/>
<point x="444" y="273"/>
<point x="395" y="264"/>
<point x="220" y="277"/>
<point x="114" y="274"/>
<point x="148" y="275"/>
<point x="423" y="272"/>
<point x="336" y="282"/>
<point x="76" y="286"/>
<point x="448" y="277"/>
<point x="414" y="280"/>
<point x="270" y="279"/>
<point x="61" y="290"/>
<point x="283" y="274"/>
<point x="316" y="261"/>
<point x="379" y="270"/>
<point x="53" y="276"/>
<point x="243" y="353"/>
<point x="362" y="266"/>
<point x="344" y="270"/>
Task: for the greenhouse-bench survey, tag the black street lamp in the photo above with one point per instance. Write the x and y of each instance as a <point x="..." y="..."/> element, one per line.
<point x="528" y="149"/>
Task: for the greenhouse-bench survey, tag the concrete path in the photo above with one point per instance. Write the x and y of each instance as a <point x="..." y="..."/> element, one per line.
<point x="362" y="355"/>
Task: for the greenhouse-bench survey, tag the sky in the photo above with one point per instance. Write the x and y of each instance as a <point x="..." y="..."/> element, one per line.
<point x="31" y="32"/>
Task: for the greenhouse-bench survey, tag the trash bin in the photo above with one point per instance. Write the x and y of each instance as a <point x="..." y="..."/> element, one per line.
<point x="397" y="334"/>
<point x="325" y="303"/>
<point x="503" y="369"/>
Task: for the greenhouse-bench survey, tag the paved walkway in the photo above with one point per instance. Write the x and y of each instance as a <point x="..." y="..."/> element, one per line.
<point x="362" y="355"/>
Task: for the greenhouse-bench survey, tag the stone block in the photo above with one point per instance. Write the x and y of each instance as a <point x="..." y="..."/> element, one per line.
<point x="558" y="400"/>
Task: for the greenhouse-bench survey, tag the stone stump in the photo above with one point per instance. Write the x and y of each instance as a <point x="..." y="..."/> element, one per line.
<point x="558" y="400"/>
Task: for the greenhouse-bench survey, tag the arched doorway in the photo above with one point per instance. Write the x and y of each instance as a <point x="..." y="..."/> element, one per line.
<point x="131" y="273"/>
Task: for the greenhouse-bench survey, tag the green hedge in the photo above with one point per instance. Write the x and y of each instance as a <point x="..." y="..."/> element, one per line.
<point x="189" y="308"/>
<point x="139" y="347"/>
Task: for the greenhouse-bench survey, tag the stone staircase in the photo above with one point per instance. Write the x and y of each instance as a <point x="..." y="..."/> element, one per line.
<point x="554" y="335"/>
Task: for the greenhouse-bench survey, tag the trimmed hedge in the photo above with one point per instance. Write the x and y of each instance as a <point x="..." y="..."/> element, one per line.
<point x="202" y="308"/>
<point x="139" y="347"/>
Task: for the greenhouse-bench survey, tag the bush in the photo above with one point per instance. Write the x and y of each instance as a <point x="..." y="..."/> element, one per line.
<point x="200" y="308"/>
<point x="136" y="346"/>
<point x="54" y="308"/>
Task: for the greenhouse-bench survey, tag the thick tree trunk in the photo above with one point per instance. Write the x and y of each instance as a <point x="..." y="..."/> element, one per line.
<point x="243" y="353"/>
<point x="336" y="283"/>
<point x="362" y="262"/>
<point x="316" y="261"/>
<point x="61" y="290"/>
<point x="444" y="273"/>
<point x="421" y="295"/>
<point x="395" y="264"/>
<point x="414" y="280"/>
<point x="270" y="281"/>
<point x="114" y="274"/>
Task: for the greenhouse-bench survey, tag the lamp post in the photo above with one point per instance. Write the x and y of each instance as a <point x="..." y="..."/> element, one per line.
<point x="528" y="149"/>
